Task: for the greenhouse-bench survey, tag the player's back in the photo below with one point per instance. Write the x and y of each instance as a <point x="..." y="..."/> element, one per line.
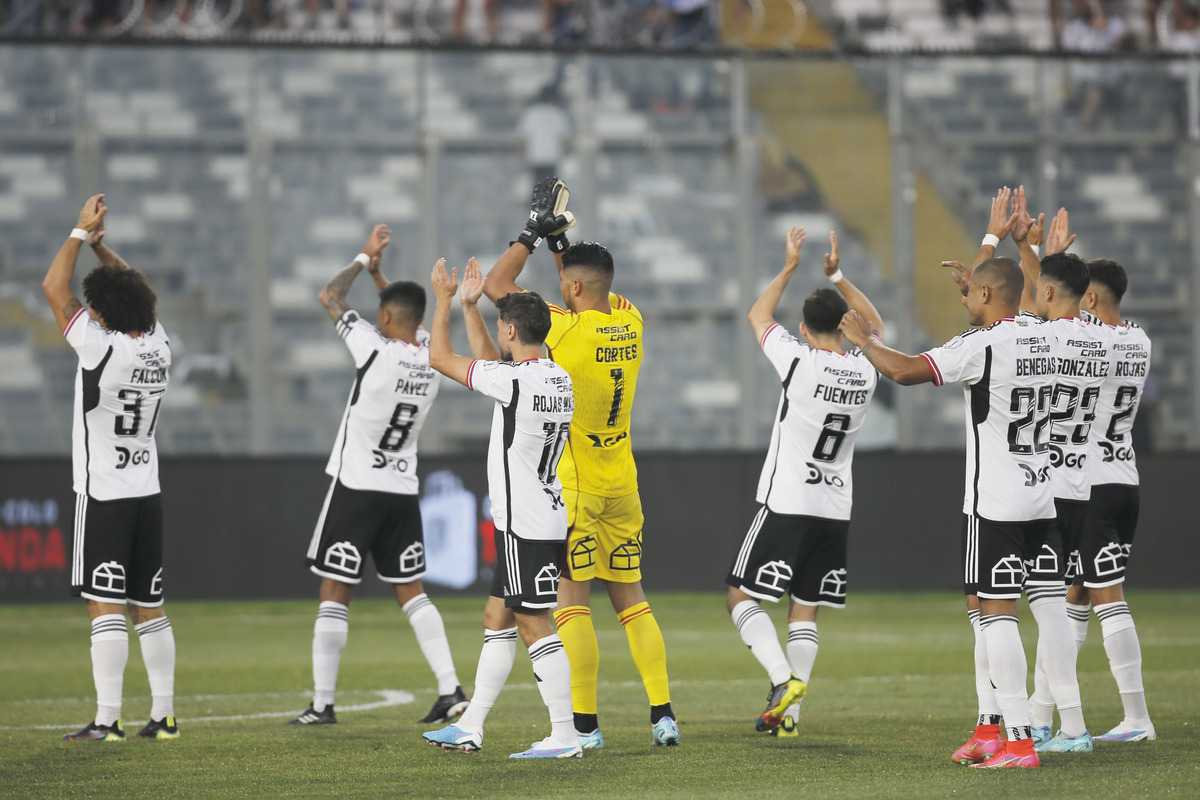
<point x="821" y="409"/>
<point x="1112" y="458"/>
<point x="394" y="388"/>
<point x="1083" y="363"/>
<point x="529" y="431"/>
<point x="603" y="355"/>
<point x="119" y="388"/>
<point x="1008" y="373"/>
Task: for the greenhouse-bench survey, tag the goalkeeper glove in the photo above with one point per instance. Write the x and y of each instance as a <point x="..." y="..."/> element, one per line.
<point x="548" y="215"/>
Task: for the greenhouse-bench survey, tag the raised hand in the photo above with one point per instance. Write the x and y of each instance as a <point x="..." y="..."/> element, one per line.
<point x="1019" y="221"/>
<point x="1059" y="237"/>
<point x="472" y="284"/>
<point x="795" y="240"/>
<point x="96" y="234"/>
<point x="445" y="284"/>
<point x="381" y="237"/>
<point x="855" y="329"/>
<point x="92" y="215"/>
<point x="833" y="257"/>
<point x="1037" y="231"/>
<point x="1000" y="219"/>
<point x="960" y="273"/>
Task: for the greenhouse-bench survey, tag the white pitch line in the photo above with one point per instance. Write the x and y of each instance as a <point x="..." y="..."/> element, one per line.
<point x="390" y="697"/>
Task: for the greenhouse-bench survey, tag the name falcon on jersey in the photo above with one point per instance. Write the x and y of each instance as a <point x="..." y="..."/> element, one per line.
<point x="155" y="376"/>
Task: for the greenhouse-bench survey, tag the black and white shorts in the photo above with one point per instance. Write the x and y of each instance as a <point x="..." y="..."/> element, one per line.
<point x="1108" y="535"/>
<point x="527" y="571"/>
<point x="1071" y="514"/>
<point x="118" y="550"/>
<point x="354" y="522"/>
<point x="802" y="556"/>
<point x="1002" y="558"/>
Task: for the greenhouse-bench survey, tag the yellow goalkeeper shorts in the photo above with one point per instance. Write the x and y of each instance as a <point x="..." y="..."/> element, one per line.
<point x="605" y="537"/>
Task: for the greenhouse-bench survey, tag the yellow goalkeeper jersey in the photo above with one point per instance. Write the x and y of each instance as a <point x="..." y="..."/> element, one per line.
<point x="602" y="353"/>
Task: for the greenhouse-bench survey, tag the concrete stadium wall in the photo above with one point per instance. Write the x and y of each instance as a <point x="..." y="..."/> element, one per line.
<point x="239" y="528"/>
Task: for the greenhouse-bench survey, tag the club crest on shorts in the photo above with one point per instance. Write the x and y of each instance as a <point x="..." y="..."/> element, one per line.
<point x="109" y="577"/>
<point x="834" y="583"/>
<point x="546" y="583"/>
<point x="1046" y="562"/>
<point x="156" y="583"/>
<point x="1110" y="560"/>
<point x="583" y="554"/>
<point x="628" y="556"/>
<point x="1009" y="572"/>
<point x="774" y="575"/>
<point x="343" y="557"/>
<point x="413" y="558"/>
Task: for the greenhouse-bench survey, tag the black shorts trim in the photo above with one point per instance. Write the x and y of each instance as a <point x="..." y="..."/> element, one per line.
<point x="527" y="571"/>
<point x="1001" y="558"/>
<point x="117" y="553"/>
<point x="354" y="522"/>
<point x="1108" y="531"/>
<point x="803" y="557"/>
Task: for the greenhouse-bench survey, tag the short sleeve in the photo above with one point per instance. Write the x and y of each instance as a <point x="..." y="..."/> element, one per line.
<point x="87" y="337"/>
<point x="361" y="337"/>
<point x="959" y="360"/>
<point x="781" y="348"/>
<point x="492" y="378"/>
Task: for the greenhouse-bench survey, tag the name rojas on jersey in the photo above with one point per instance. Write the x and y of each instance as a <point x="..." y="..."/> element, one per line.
<point x="394" y="388"/>
<point x="823" y="404"/>
<point x="119" y="387"/>
<point x="1008" y="372"/>
<point x="530" y="425"/>
<point x="1111" y="459"/>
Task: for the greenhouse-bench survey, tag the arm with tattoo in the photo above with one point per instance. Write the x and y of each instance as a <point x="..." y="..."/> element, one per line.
<point x="333" y="296"/>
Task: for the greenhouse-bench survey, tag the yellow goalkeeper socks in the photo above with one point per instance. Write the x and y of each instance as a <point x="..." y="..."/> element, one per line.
<point x="579" y="640"/>
<point x="649" y="652"/>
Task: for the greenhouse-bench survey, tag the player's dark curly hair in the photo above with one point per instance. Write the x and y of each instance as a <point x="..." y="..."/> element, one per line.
<point x="1068" y="271"/>
<point x="823" y="311"/>
<point x="122" y="297"/>
<point x="1110" y="274"/>
<point x="407" y="297"/>
<point x="588" y="254"/>
<point x="529" y="313"/>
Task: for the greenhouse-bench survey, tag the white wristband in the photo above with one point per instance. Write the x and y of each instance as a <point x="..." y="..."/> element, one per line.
<point x="363" y="260"/>
<point x="990" y="240"/>
<point x="1037" y="251"/>
<point x="79" y="233"/>
<point x="837" y="276"/>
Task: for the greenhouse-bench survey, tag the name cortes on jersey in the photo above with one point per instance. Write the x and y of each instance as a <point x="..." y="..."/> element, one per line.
<point x="119" y="387"/>
<point x="821" y="409"/>
<point x="534" y="404"/>
<point x="1111" y="459"/>
<point x="1008" y="372"/>
<point x="394" y="388"/>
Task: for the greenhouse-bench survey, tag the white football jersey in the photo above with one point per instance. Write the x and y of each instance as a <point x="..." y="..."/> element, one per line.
<point x="1083" y="364"/>
<point x="119" y="388"/>
<point x="376" y="447"/>
<point x="534" y="404"/>
<point x="1111" y="457"/>
<point x="822" y="406"/>
<point x="1007" y="371"/>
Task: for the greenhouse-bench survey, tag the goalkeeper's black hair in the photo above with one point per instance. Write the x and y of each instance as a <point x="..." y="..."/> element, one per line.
<point x="823" y="311"/>
<point x="529" y="313"/>
<point x="405" y="296"/>
<point x="1109" y="274"/>
<point x="122" y="297"/>
<point x="590" y="255"/>
<point x="1068" y="271"/>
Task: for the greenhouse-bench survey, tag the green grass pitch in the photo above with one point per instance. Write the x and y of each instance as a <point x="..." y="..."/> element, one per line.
<point x="891" y="698"/>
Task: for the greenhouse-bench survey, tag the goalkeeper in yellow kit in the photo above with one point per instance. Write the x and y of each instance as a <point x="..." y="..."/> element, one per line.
<point x="597" y="338"/>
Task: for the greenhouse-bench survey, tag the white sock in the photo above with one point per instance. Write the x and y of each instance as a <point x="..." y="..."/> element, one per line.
<point x="431" y="636"/>
<point x="984" y="691"/>
<point x="1124" y="658"/>
<point x="157" y="641"/>
<point x="495" y="662"/>
<point x="1056" y="644"/>
<point x="1079" y="622"/>
<point x="1006" y="662"/>
<point x="802" y="647"/>
<point x="110" y="651"/>
<point x="1041" y="702"/>
<point x="759" y="635"/>
<point x="329" y="639"/>
<point x="552" y="670"/>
